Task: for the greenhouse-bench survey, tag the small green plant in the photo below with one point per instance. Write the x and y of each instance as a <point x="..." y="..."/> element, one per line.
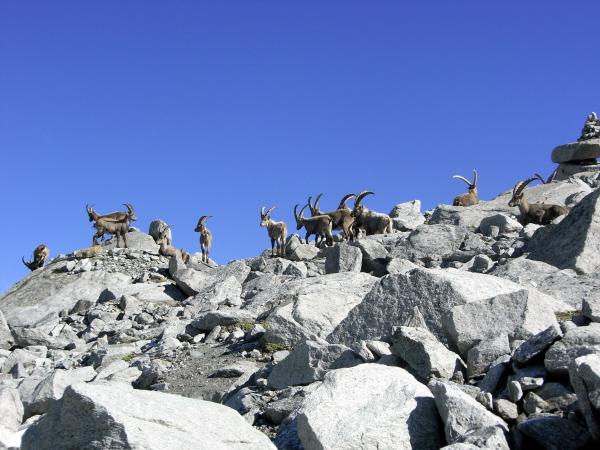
<point x="128" y="357"/>
<point x="272" y="347"/>
<point x="564" y="316"/>
<point x="244" y="326"/>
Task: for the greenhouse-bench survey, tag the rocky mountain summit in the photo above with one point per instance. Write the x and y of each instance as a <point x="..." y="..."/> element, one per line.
<point x="463" y="329"/>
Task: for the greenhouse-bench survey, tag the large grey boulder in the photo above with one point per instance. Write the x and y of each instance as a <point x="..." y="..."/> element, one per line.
<point x="575" y="242"/>
<point x="426" y="241"/>
<point x="436" y="293"/>
<point x="309" y="362"/>
<point x="424" y="353"/>
<point x="11" y="412"/>
<point x="53" y="386"/>
<point x="536" y="344"/>
<point x="576" y="151"/>
<point x="461" y="413"/>
<point x="313" y="307"/>
<point x="576" y="342"/>
<point x="374" y="406"/>
<point x="483" y="354"/>
<point x="6" y="339"/>
<point x="503" y="222"/>
<point x="206" y="321"/>
<point x="157" y="227"/>
<point x="197" y="279"/>
<point x="407" y="216"/>
<point x="374" y="255"/>
<point x="115" y="416"/>
<point x="584" y="374"/>
<point x="343" y="258"/>
<point x="136" y="240"/>
<point x="555" y="433"/>
<point x="42" y="295"/>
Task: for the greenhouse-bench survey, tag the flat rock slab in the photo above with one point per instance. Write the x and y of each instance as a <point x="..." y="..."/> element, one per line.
<point x="576" y="151"/>
<point x="118" y="417"/>
<point x="370" y="406"/>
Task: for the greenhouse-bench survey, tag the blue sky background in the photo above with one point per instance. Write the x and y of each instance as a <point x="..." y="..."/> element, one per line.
<point x="201" y="107"/>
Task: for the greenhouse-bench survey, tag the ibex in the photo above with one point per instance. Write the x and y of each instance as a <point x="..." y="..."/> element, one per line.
<point x="165" y="248"/>
<point x="116" y="223"/>
<point x="88" y="252"/>
<point x="320" y="226"/>
<point x="372" y="222"/>
<point x="538" y="213"/>
<point x="277" y="231"/>
<point x="341" y="218"/>
<point x="40" y="254"/>
<point x="471" y="197"/>
<point x="205" y="237"/>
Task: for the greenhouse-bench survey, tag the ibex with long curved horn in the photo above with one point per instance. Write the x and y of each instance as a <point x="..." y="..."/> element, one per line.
<point x="471" y="197"/>
<point x="320" y="226"/>
<point x="341" y="218"/>
<point x="205" y="237"/>
<point x="40" y="254"/>
<point x="372" y="222"/>
<point x="277" y="231"/>
<point x="538" y="213"/>
<point x="116" y="223"/>
<point x="165" y="248"/>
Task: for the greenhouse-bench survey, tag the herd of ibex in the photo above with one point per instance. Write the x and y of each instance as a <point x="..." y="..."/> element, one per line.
<point x="321" y="224"/>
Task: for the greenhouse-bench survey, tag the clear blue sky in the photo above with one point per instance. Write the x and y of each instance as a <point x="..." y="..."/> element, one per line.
<point x="203" y="107"/>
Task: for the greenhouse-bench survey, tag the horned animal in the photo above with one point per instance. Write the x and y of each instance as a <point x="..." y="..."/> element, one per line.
<point x="116" y="223"/>
<point x="88" y="252"/>
<point x="471" y="197"/>
<point x="342" y="218"/>
<point x="537" y="213"/>
<point x="277" y="231"/>
<point x="40" y="254"/>
<point x="205" y="237"/>
<point x="165" y="248"/>
<point x="320" y="226"/>
<point x="372" y="222"/>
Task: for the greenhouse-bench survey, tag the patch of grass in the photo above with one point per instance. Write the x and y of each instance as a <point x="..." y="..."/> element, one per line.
<point x="129" y="357"/>
<point x="244" y="326"/>
<point x="272" y="347"/>
<point x="566" y="315"/>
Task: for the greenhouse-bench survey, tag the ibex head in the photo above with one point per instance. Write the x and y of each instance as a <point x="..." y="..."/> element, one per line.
<point x="517" y="196"/>
<point x="472" y="186"/>
<point x="201" y="223"/>
<point x="90" y="211"/>
<point x="265" y="216"/>
<point x="343" y="201"/>
<point x="314" y="208"/>
<point x="130" y="212"/>
<point x="299" y="218"/>
<point x="360" y="209"/>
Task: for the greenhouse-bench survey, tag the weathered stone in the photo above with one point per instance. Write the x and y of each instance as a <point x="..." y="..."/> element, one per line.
<point x="575" y="242"/>
<point x="135" y="241"/>
<point x="503" y="222"/>
<point x="584" y="373"/>
<point x="234" y="370"/>
<point x="514" y="390"/>
<point x="492" y="437"/>
<point x="536" y="344"/>
<point x="576" y="151"/>
<point x="374" y="255"/>
<point x="495" y="372"/>
<point x="379" y="348"/>
<point x="506" y="409"/>
<point x="407" y="216"/>
<point x="116" y="416"/>
<point x="193" y="281"/>
<point x="555" y="433"/>
<point x="206" y="321"/>
<point x="306" y="315"/>
<point x="400" y="266"/>
<point x="309" y="362"/>
<point x="296" y="269"/>
<point x="158" y="227"/>
<point x="11" y="411"/>
<point x="18" y="356"/>
<point x="590" y="308"/>
<point x="530" y="377"/>
<point x="53" y="386"/>
<point x="482" y="355"/>
<point x="375" y="407"/>
<point x="6" y="339"/>
<point x="460" y="412"/>
<point x="343" y="258"/>
<point x="576" y="342"/>
<point x="424" y="353"/>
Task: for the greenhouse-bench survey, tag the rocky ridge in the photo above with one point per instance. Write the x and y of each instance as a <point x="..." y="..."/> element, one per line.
<point x="462" y="329"/>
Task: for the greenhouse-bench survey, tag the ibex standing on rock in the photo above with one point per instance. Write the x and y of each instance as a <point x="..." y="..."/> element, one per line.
<point x="116" y="223"/>
<point x="372" y="222"/>
<point x="320" y="226"/>
<point x="205" y="238"/>
<point x="471" y="197"/>
<point x="40" y="254"/>
<point x="537" y="213"/>
<point x="277" y="231"/>
<point x="341" y="218"/>
<point x="165" y="248"/>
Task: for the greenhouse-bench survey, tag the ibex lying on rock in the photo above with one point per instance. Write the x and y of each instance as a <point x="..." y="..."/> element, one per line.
<point x="372" y="222"/>
<point x="320" y="226"/>
<point x="342" y="218"/>
<point x="165" y="248"/>
<point x="116" y="223"/>
<point x="205" y="237"/>
<point x="40" y="254"/>
<point x="471" y="197"/>
<point x="88" y="252"/>
<point x="538" y="213"/>
<point x="277" y="231"/>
